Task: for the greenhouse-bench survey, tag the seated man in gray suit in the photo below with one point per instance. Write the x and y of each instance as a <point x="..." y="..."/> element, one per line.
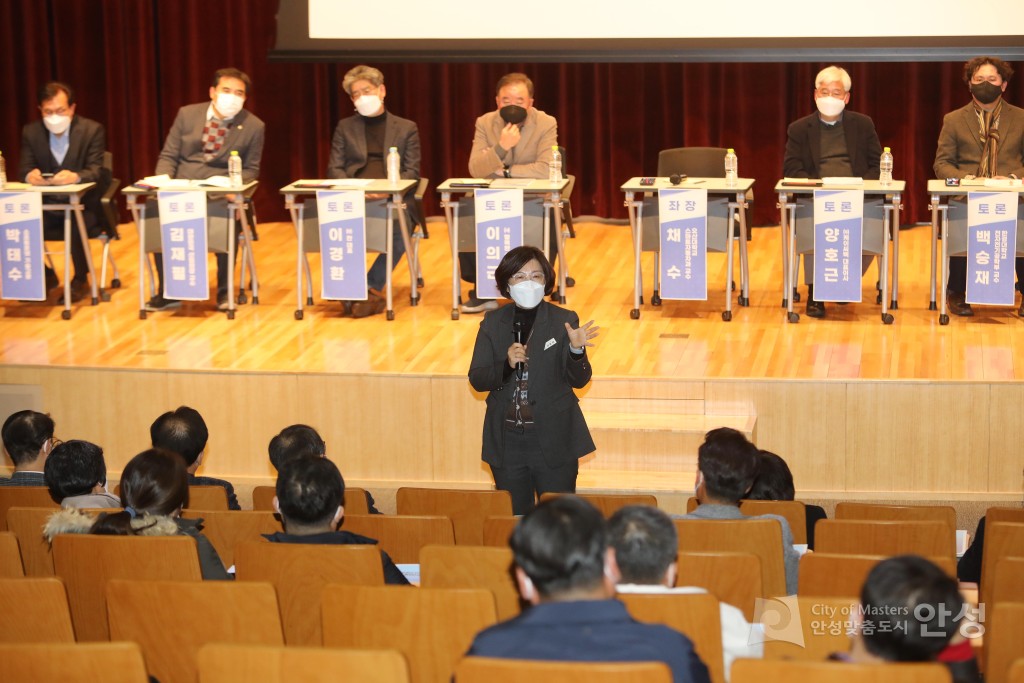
<point x="198" y="146"/>
<point x="360" y="150"/>
<point x="513" y="141"/>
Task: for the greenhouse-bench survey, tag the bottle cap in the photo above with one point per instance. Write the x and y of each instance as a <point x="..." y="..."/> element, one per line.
<point x="234" y="152"/>
<point x="885" y="149"/>
<point x="393" y="149"/>
<point x="730" y="151"/>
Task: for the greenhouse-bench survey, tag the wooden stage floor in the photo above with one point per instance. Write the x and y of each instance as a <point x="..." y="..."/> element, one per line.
<point x="680" y="340"/>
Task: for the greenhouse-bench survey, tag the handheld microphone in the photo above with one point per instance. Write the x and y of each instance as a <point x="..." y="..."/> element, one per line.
<point x="517" y="332"/>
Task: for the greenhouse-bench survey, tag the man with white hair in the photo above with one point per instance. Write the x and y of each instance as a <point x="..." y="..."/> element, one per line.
<point x="832" y="142"/>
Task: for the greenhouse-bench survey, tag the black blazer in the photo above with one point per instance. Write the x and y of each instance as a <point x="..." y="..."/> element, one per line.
<point x="559" y="422"/>
<point x="348" y="146"/>
<point x="803" y="147"/>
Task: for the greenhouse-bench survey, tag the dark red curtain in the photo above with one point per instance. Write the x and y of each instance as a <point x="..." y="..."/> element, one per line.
<point x="134" y="62"/>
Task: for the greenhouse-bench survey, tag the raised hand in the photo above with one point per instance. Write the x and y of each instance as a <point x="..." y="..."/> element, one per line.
<point x="581" y="336"/>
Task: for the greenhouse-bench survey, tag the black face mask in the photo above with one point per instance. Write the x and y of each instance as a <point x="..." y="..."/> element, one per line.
<point x="512" y="113"/>
<point x="986" y="92"/>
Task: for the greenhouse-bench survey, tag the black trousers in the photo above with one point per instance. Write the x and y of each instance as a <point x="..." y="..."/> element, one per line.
<point x="957" y="282"/>
<point x="526" y="475"/>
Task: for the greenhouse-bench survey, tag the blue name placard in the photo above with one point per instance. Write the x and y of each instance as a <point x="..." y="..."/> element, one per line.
<point x="838" y="244"/>
<point x="21" y="246"/>
<point x="683" y="215"/>
<point x="991" y="247"/>
<point x="499" y="229"/>
<point x="183" y="235"/>
<point x="342" y="244"/>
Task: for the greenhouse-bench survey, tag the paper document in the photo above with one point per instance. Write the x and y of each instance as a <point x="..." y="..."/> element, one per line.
<point x="163" y="180"/>
<point x="215" y="181"/>
<point x="510" y="183"/>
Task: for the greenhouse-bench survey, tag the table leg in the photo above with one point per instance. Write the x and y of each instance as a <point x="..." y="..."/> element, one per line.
<point x="636" y="219"/>
<point x="138" y="208"/>
<point x="562" y="270"/>
<point x="389" y="244"/>
<point x="896" y="206"/>
<point x="730" y="242"/>
<point x="451" y="214"/>
<point x="412" y="255"/>
<point x="935" y="243"/>
<point x="744" y="299"/>
<point x="83" y="234"/>
<point x="884" y="266"/>
<point x="943" y="311"/>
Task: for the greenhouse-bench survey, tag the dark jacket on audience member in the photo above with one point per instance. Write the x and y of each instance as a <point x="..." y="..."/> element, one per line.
<point x="23" y="479"/>
<point x="193" y="480"/>
<point x="392" y="574"/>
<point x="72" y="521"/>
<point x="968" y="568"/>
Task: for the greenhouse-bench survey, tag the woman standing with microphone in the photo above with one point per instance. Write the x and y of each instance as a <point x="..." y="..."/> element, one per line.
<point x="530" y="357"/>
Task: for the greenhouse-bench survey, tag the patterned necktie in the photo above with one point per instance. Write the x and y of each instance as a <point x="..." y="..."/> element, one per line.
<point x="213" y="138"/>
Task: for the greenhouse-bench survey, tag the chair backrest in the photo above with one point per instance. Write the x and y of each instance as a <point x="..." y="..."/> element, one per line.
<point x="71" y="663"/>
<point x="898" y="513"/>
<point x="1001" y="514"/>
<point x="469" y="566"/>
<point x="355" y="499"/>
<point x="1002" y="540"/>
<point x="299" y="573"/>
<point x="207" y="498"/>
<point x="761" y="537"/>
<point x="733" y="578"/>
<point x="227" y="528"/>
<point x="10" y="556"/>
<point x="794" y="511"/>
<point x="108" y="201"/>
<point x="1017" y="671"/>
<point x="491" y="670"/>
<point x="498" y="529"/>
<point x="1007" y="585"/>
<point x="1005" y="624"/>
<point x="171" y="620"/>
<point x="699" y="162"/>
<point x="778" y="671"/>
<point x="23" y="497"/>
<point x="828" y="575"/>
<point x="696" y="615"/>
<point x="34" y="610"/>
<point x="822" y="626"/>
<point x="467" y="509"/>
<point x="27" y="524"/>
<point x="86" y="563"/>
<point x="610" y="503"/>
<point x="225" y="663"/>
<point x="402" y="536"/>
<point x="868" y="537"/>
<point x="432" y="627"/>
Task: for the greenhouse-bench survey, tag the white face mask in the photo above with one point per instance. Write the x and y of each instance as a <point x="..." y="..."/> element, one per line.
<point x="57" y="123"/>
<point x="527" y="294"/>
<point x="228" y="104"/>
<point x="368" y="105"/>
<point x="830" y="106"/>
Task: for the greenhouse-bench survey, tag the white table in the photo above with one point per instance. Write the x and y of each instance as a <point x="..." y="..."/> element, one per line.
<point x="893" y="193"/>
<point x="737" y="206"/>
<point x="550" y="191"/>
<point x="237" y="198"/>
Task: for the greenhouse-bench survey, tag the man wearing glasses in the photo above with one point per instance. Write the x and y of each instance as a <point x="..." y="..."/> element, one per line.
<point x="832" y="142"/>
<point x="28" y="440"/>
<point x="983" y="139"/>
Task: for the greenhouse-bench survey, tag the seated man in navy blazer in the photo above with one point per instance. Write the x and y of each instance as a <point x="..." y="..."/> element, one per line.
<point x="359" y="149"/>
<point x="197" y="147"/>
<point x="64" y="149"/>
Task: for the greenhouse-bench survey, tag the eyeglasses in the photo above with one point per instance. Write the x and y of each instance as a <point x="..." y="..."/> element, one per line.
<point x="825" y="92"/>
<point x="535" y="276"/>
<point x="50" y="112"/>
<point x="368" y="90"/>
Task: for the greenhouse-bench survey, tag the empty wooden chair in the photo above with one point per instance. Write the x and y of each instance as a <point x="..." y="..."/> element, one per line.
<point x="402" y="536"/>
<point x="171" y="620"/>
<point x="71" y="663"/>
<point x="207" y="498"/>
<point x="760" y="537"/>
<point x="898" y="513"/>
<point x="432" y="627"/>
<point x="498" y="529"/>
<point x="23" y="497"/>
<point x="355" y="499"/>
<point x="828" y="575"/>
<point x="1002" y="540"/>
<point x="10" y="556"/>
<point x="610" y="503"/>
<point x="1004" y="514"/>
<point x="1003" y="628"/>
<point x="1007" y="583"/>
<point x="696" y="615"/>
<point x="821" y="627"/>
<point x="793" y="511"/>
<point x="779" y="671"/>
<point x="27" y="524"/>
<point x="490" y="670"/>
<point x="1017" y="672"/>
<point x="86" y="563"/>
<point x="34" y="610"/>
<point x="469" y="566"/>
<point x="299" y="573"/>
<point x="733" y="578"/>
<point x="227" y="528"/>
<point x="867" y="537"/>
<point x="466" y="508"/>
<point x="223" y="663"/>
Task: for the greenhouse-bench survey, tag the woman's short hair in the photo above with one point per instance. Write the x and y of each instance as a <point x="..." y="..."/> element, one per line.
<point x="514" y="261"/>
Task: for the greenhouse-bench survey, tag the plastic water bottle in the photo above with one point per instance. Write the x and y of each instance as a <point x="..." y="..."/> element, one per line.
<point x="235" y="169"/>
<point x="555" y="167"/>
<point x="732" y="167"/>
<point x="394" y="166"/>
<point x="3" y="172"/>
<point x="885" y="167"/>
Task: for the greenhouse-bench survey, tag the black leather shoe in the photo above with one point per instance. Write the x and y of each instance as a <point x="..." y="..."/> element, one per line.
<point x="815" y="309"/>
<point x="957" y="306"/>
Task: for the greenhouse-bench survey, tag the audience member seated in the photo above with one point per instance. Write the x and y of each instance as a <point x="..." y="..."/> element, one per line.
<point x="727" y="465"/>
<point x="184" y="431"/>
<point x="76" y="475"/>
<point x="911" y="611"/>
<point x="154" y="489"/>
<point x="28" y="439"/>
<point x="565" y="569"/>
<point x="775" y="482"/>
<point x="311" y="498"/>
<point x="646" y="547"/>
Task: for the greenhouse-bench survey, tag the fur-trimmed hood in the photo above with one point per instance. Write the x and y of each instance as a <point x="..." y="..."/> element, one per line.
<point x="72" y="521"/>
